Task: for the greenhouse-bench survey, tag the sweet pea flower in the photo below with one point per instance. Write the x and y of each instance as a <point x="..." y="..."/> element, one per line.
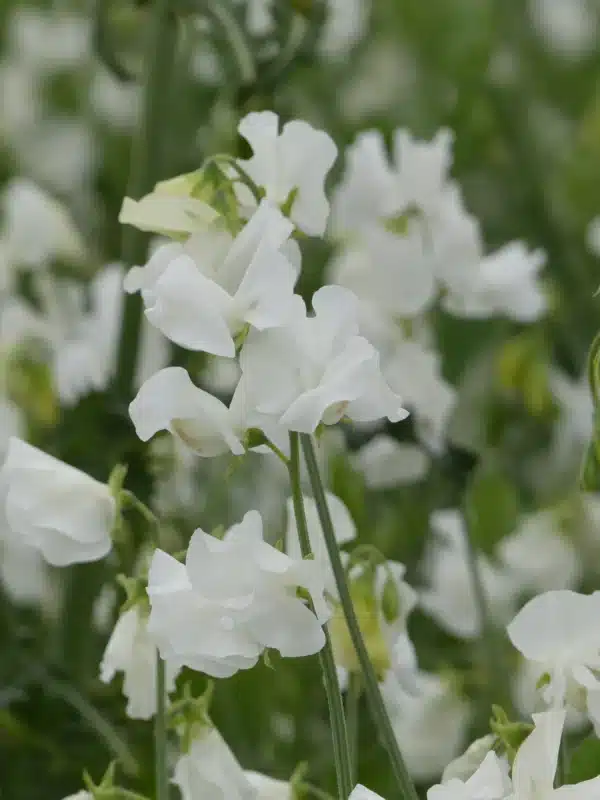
<point x="449" y="597"/>
<point x="132" y="651"/>
<point x="231" y="599"/>
<point x="536" y="762"/>
<point x="386" y="463"/>
<point x="210" y="769"/>
<point x="290" y="167"/>
<point x="170" y="209"/>
<point x="83" y="795"/>
<point x="169" y="400"/>
<point x="317" y="369"/>
<point x="61" y="511"/>
<point x="558" y="631"/>
<point x="202" y="294"/>
<point x="489" y="782"/>
<point x="505" y="282"/>
<point x="430" y="722"/>
<point x="377" y="189"/>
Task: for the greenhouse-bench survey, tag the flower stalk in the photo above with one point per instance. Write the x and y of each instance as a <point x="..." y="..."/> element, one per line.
<point x="371" y="686"/>
<point x="341" y="752"/>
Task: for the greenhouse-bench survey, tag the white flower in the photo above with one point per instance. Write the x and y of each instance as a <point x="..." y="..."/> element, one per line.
<point x="489" y="782"/>
<point x="170" y="401"/>
<point x="387" y="463"/>
<point x="536" y="762"/>
<point x="391" y="273"/>
<point x="469" y="762"/>
<point x="79" y="796"/>
<point x="559" y="631"/>
<point x="23" y="571"/>
<point x="63" y="512"/>
<point x="232" y="599"/>
<point x="361" y="792"/>
<point x="170" y="209"/>
<point x="375" y="190"/>
<point x="202" y="294"/>
<point x="415" y="371"/>
<point x="210" y="770"/>
<point x="290" y="166"/>
<point x="317" y="369"/>
<point x="132" y="651"/>
<point x="430" y="723"/>
<point x="505" y="282"/>
<point x="259" y="16"/>
<point x="343" y="525"/>
<point x="37" y="229"/>
<point x="344" y="26"/>
<point x="539" y="555"/>
<point x="450" y="598"/>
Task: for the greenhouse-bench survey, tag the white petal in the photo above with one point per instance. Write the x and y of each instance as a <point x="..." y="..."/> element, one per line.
<point x="536" y="760"/>
<point x="191" y="310"/>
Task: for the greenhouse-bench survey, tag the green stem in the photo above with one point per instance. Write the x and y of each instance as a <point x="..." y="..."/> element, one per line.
<point x="352" y="719"/>
<point x="146" y="168"/>
<point x="160" y="734"/>
<point x="101" y="725"/>
<point x="496" y="690"/>
<point x="332" y="688"/>
<point x="374" y="698"/>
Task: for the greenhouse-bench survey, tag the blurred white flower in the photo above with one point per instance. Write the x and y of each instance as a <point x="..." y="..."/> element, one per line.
<point x="290" y="166"/>
<point x="23" y="571"/>
<point x="539" y="556"/>
<point x="414" y="371"/>
<point x="203" y="294"/>
<point x="392" y="274"/>
<point x="387" y="463"/>
<point x="132" y="651"/>
<point x="114" y="102"/>
<point x="316" y="369"/>
<point x="569" y="29"/>
<point x="345" y="24"/>
<point x="233" y="598"/>
<point x="430" y="724"/>
<point x="375" y="189"/>
<point x="506" y="282"/>
<point x="49" y="41"/>
<point x="61" y="511"/>
<point x="36" y="228"/>
<point x="450" y="596"/>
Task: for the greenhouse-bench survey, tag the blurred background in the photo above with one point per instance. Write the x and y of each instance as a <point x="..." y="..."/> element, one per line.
<point x="518" y="84"/>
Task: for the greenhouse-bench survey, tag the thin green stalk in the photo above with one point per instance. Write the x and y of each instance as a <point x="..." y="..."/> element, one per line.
<point x="352" y="719"/>
<point x="332" y="688"/>
<point x="146" y="168"/>
<point x="374" y="698"/>
<point x="496" y="690"/>
<point x="160" y="734"/>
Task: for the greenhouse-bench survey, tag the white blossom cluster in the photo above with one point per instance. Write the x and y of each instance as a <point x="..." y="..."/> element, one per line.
<point x="362" y="351"/>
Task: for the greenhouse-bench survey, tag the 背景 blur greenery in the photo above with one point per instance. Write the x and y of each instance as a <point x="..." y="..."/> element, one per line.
<point x="519" y="85"/>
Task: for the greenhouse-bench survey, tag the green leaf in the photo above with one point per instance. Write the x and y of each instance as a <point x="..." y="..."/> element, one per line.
<point x="585" y="761"/>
